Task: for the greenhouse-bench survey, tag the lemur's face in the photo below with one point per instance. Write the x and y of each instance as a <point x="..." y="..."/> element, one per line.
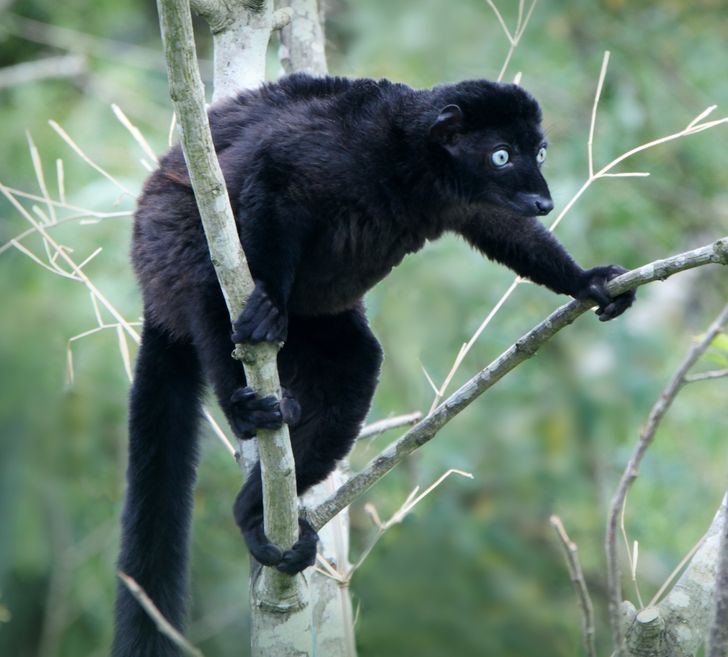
<point x="496" y="156"/>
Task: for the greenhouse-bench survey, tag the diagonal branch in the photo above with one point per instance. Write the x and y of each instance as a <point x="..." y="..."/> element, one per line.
<point x="163" y="625"/>
<point x="524" y="348"/>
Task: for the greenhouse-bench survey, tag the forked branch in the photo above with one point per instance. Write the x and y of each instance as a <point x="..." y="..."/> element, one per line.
<point x="631" y="471"/>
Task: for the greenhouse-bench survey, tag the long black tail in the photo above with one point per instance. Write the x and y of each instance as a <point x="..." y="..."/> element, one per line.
<point x="163" y="422"/>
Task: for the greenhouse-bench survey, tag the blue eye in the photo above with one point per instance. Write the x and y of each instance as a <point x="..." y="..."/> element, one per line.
<point x="500" y="157"/>
<point x="541" y="155"/>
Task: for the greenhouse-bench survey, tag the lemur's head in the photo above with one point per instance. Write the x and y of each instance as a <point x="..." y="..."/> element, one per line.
<point x="491" y="135"/>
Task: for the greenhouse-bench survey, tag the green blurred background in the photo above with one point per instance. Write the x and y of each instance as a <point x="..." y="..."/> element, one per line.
<point x="475" y="570"/>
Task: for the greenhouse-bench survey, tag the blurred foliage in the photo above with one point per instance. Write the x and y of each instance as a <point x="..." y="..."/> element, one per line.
<point x="475" y="569"/>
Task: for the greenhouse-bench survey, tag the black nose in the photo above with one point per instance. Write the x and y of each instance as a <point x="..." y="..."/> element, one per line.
<point x="543" y="204"/>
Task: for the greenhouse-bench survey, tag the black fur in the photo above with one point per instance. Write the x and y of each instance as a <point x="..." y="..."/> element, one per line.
<point x="332" y="182"/>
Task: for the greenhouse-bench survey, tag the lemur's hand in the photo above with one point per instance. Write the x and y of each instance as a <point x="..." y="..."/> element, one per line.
<point x="261" y="320"/>
<point x="594" y="287"/>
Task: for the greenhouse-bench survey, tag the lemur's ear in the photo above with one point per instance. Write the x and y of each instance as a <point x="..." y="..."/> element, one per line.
<point x="447" y="124"/>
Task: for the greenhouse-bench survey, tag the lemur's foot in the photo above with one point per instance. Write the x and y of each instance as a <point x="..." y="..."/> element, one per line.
<point x="299" y="557"/>
<point x="250" y="412"/>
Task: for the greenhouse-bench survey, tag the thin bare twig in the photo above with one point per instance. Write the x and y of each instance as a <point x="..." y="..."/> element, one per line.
<point x="675" y="572"/>
<point x="81" y="42"/>
<point x="134" y="132"/>
<point x="75" y="270"/>
<point x="78" y="275"/>
<point x="40" y="177"/>
<point x="62" y="203"/>
<point x="59" y="222"/>
<point x="577" y="578"/>
<point x="439" y="393"/>
<point x="163" y="625"/>
<point x="56" y="251"/>
<point x="706" y="376"/>
<point x="514" y="37"/>
<point x="388" y="423"/>
<point x="413" y="499"/>
<point x="632" y="555"/>
<point x="64" y="66"/>
<point x="79" y="151"/>
<point x="595" y="104"/>
<point x="631" y="472"/>
<point x="61" y="180"/>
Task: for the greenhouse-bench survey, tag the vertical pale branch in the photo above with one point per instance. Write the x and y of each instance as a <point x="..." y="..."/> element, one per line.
<point x="240" y="34"/>
<point x="187" y="93"/>
<point x="249" y="33"/>
<point x="303" y="39"/>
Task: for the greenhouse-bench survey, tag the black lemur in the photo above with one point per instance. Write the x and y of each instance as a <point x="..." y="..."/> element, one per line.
<point x="332" y="182"/>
